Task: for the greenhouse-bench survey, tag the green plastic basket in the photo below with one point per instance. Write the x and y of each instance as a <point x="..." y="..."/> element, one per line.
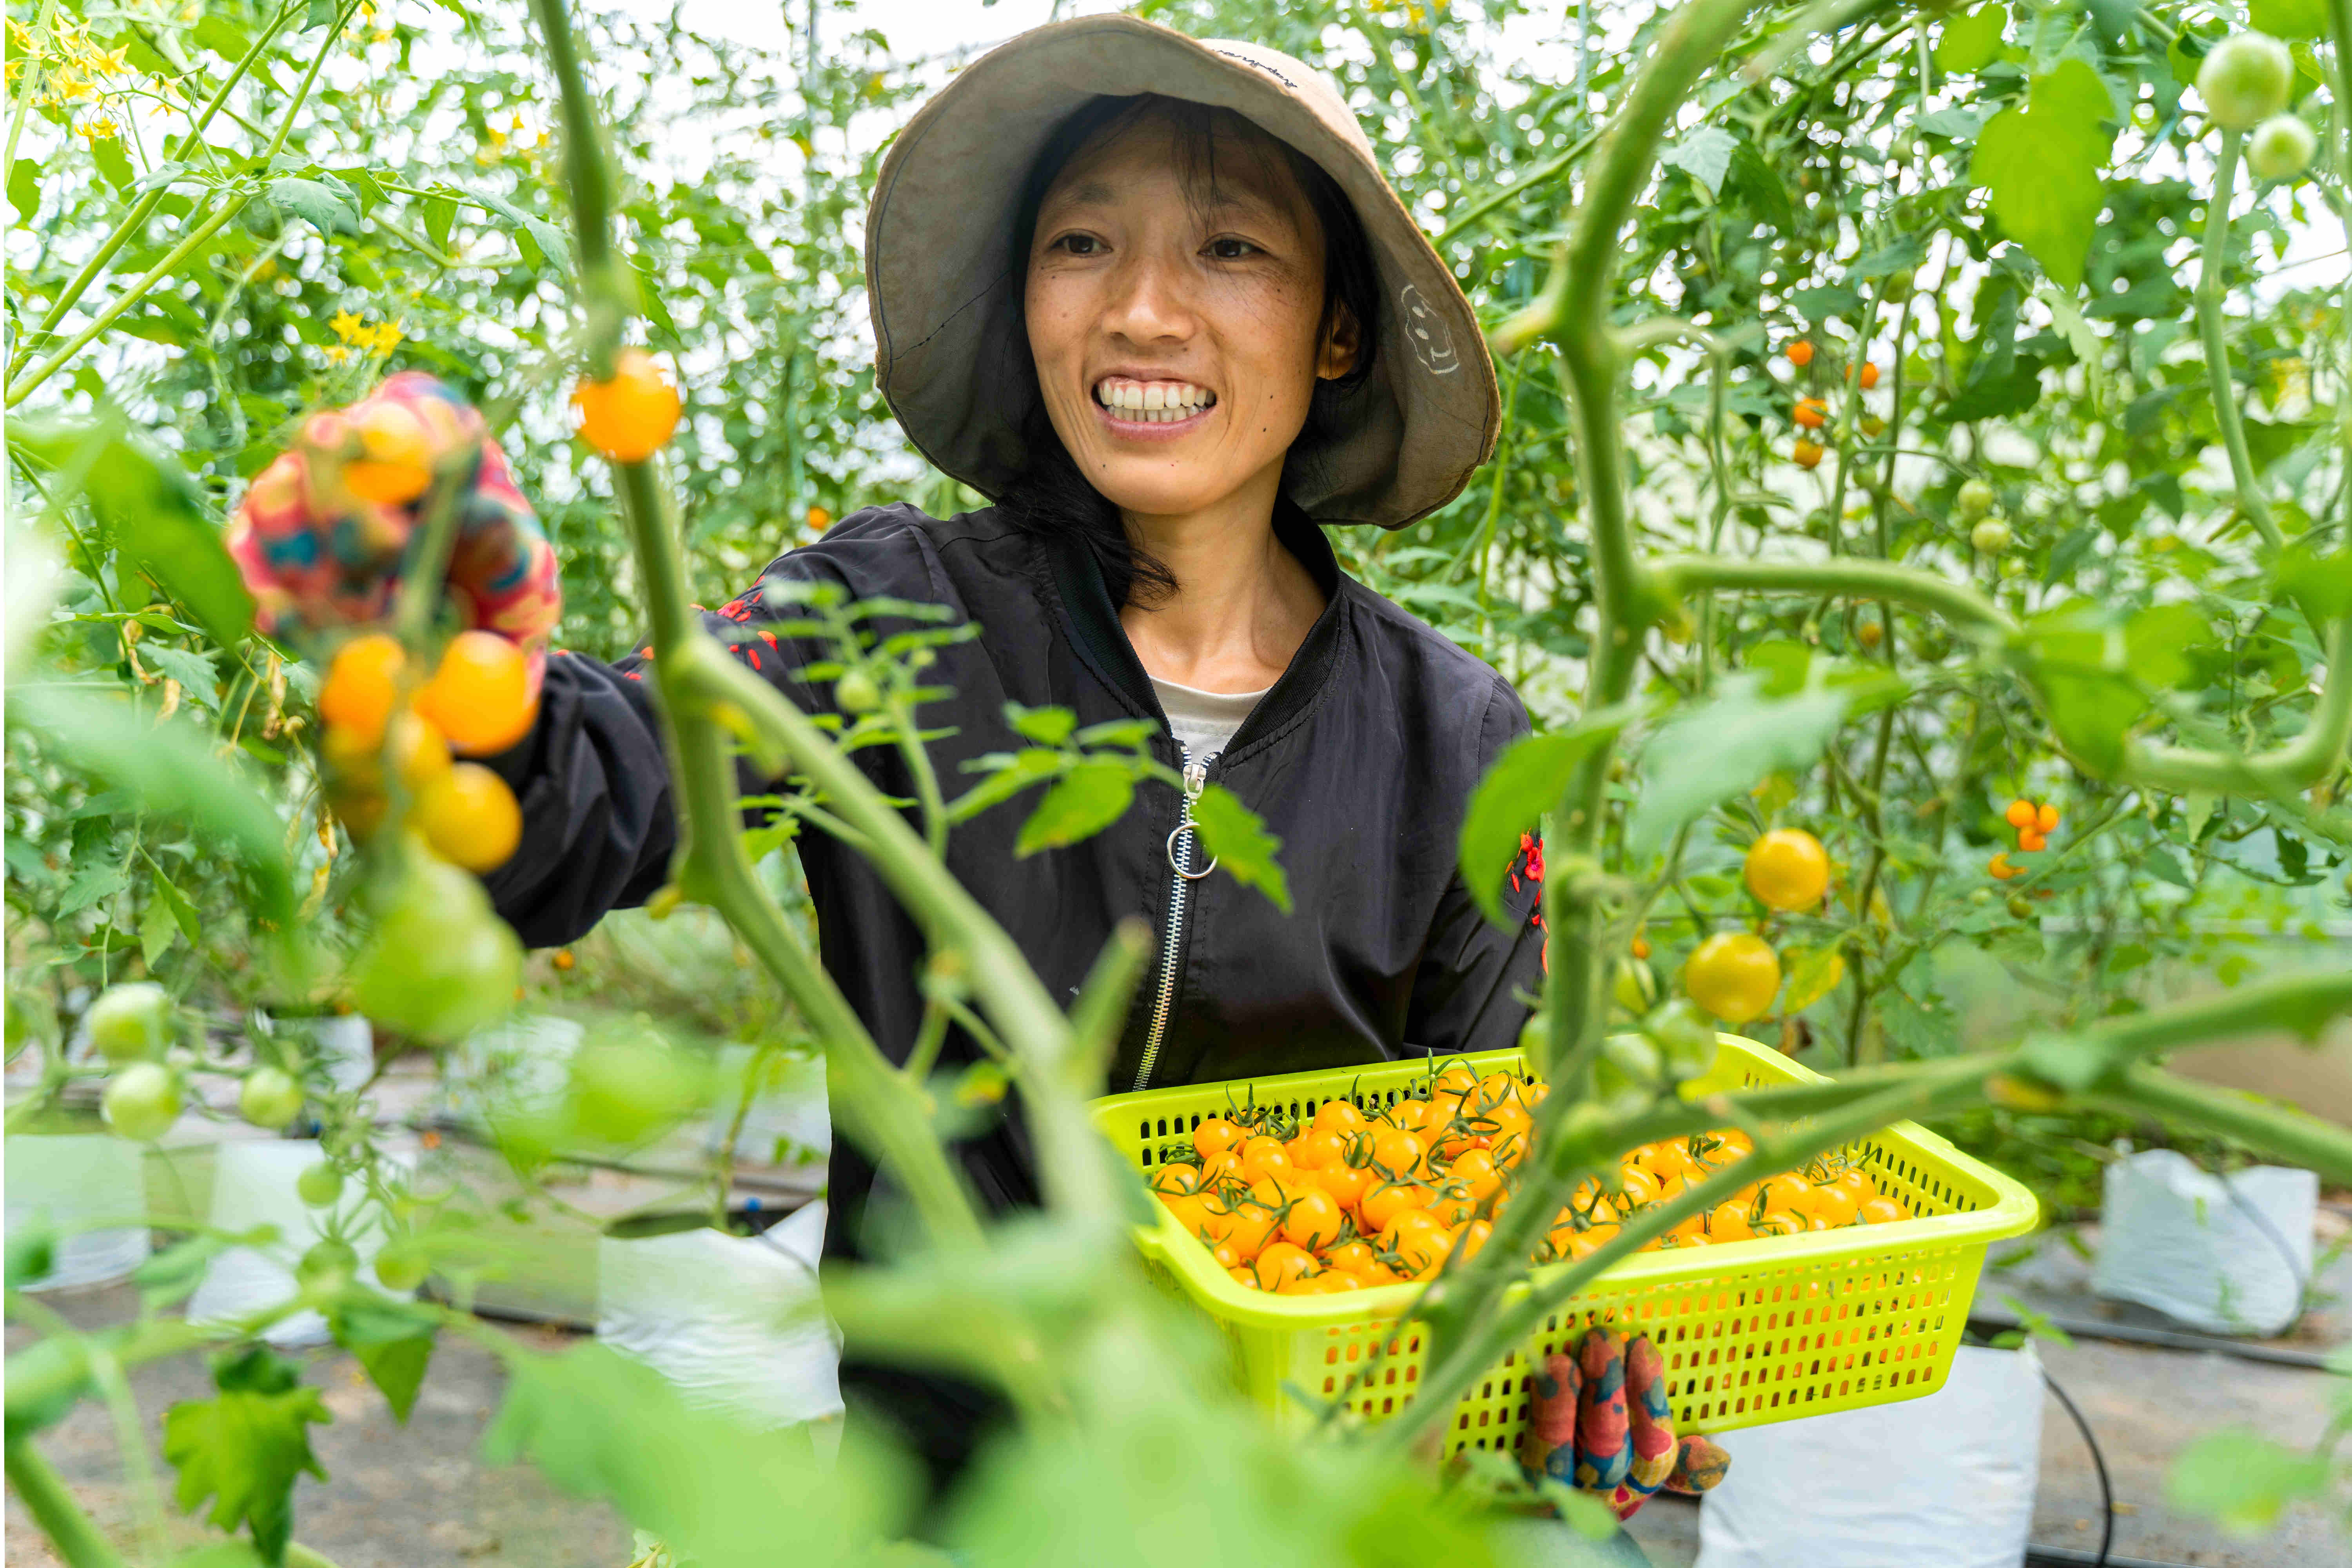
<point x="1751" y="1331"/>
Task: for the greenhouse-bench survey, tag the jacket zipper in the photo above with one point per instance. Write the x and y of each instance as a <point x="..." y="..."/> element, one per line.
<point x="1179" y="864"/>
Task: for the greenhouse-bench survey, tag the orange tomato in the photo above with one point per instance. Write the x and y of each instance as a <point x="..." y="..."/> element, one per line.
<point x="1729" y="1222"/>
<point x="1638" y="1185"/>
<point x="1353" y="1254"/>
<point x="1279" y="1263"/>
<point x="1412" y="1115"/>
<point x="1313" y="1151"/>
<point x="1457" y="1078"/>
<point x="1192" y="1212"/>
<point x="1835" y="1204"/>
<point x="1227" y="1259"/>
<point x="2045" y="818"/>
<point x="1252" y="1228"/>
<point x="1780" y="1222"/>
<point x="480" y="695"/>
<point x="1396" y="1151"/>
<point x="1384" y="1203"/>
<point x="1176" y="1178"/>
<point x="1244" y="1276"/>
<point x="1475" y="1169"/>
<point x="1812" y="412"/>
<point x="1214" y="1136"/>
<point x="362" y="685"/>
<point x="1453" y="1206"/>
<point x="1346" y="1184"/>
<point x="1800" y="354"/>
<point x="1587" y="1242"/>
<point x="631" y="416"/>
<point x="1472" y="1236"/>
<point x="1263" y="1157"/>
<point x="1881" y="1211"/>
<point x="1337" y="1280"/>
<point x="1869" y="374"/>
<point x="1339" y="1116"/>
<point x="1221" y="1166"/>
<point x="1664" y="1160"/>
<point x="1312" y="1221"/>
<point x="470" y="817"/>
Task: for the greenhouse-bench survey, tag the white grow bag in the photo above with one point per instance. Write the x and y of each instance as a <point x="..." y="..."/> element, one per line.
<point x="2228" y="1254"/>
<point x="253" y="1184"/>
<point x="1946" y="1481"/>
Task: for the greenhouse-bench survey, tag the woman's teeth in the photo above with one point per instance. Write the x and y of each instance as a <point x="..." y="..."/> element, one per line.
<point x="1154" y="402"/>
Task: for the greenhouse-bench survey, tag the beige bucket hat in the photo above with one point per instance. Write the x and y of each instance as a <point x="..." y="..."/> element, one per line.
<point x="945" y="297"/>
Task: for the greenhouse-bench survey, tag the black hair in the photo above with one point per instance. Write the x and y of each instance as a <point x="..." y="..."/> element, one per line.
<point x="1050" y="496"/>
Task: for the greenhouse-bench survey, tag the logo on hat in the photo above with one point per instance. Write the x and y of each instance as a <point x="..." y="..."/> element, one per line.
<point x="1432" y="344"/>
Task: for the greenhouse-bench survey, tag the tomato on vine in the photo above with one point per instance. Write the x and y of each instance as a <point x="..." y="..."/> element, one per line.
<point x="631" y="416"/>
<point x="479" y="696"/>
<point x="1868" y="374"/>
<point x="2245" y="80"/>
<point x="1807" y="454"/>
<point x="362" y="686"/>
<point x="1800" y="353"/>
<point x="470" y="817"/>
<point x="1734" y="975"/>
<point x="1787" y="868"/>
<point x="269" y="1096"/>
<point x="394" y="465"/>
<point x="130" y="1022"/>
<point x="142" y="1101"/>
<point x="1812" y="412"/>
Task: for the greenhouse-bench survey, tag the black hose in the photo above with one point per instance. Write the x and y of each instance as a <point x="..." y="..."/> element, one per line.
<point x="2098" y="1463"/>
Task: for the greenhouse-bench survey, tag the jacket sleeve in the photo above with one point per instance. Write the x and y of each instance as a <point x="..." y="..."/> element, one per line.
<point x="593" y="777"/>
<point x="1477" y="980"/>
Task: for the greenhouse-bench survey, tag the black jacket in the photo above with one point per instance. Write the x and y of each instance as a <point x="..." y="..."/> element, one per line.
<point x="1361" y="759"/>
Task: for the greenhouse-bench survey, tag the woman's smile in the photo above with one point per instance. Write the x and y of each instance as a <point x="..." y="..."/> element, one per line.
<point x="1152" y="409"/>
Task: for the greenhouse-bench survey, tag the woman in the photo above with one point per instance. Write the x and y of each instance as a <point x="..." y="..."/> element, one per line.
<point x="1156" y="298"/>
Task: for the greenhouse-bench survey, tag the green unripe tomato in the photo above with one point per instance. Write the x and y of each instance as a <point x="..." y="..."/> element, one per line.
<point x="1535" y="1035"/>
<point x="2245" y="80"/>
<point x="1635" y="987"/>
<point x="1974" y="499"/>
<point x="1900" y="284"/>
<point x="2281" y="147"/>
<point x="142" y="1101"/>
<point x="131" y="1023"/>
<point x="402" y="1266"/>
<point x="269" y="1098"/>
<point x="1628" y="1064"/>
<point x="1685" y="1036"/>
<point x="2020" y="906"/>
<point x="1989" y="536"/>
<point x="328" y="1266"/>
<point x="857" y="692"/>
<point x="1980" y="895"/>
<point x="320" y="1185"/>
<point x="440" y="964"/>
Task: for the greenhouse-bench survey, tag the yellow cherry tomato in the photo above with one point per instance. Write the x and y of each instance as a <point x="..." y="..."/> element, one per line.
<point x="631" y="416"/>
<point x="1733" y="975"/>
<point x="1787" y="868"/>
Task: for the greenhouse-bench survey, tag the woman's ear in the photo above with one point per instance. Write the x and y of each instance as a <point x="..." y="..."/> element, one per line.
<point x="1342" y="339"/>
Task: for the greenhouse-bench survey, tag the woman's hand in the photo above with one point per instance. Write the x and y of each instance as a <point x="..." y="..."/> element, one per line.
<point x="1598" y="1421"/>
<point x="322" y="532"/>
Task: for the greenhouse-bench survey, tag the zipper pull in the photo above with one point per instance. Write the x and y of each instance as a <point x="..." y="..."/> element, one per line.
<point x="1196" y="779"/>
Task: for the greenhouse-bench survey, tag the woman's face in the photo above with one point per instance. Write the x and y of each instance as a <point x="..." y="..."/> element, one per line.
<point x="1177" y="330"/>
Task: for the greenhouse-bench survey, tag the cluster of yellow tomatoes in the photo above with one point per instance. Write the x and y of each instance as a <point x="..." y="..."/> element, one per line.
<point x="1736" y="974"/>
<point x="1349" y="1199"/>
<point x="478" y="702"/>
<point x="2035" y="825"/>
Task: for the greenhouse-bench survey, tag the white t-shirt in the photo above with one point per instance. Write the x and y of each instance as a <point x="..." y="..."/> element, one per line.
<point x="1203" y="721"/>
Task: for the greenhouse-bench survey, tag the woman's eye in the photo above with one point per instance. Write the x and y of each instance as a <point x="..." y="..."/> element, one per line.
<point x="1079" y="245"/>
<point x="1231" y="249"/>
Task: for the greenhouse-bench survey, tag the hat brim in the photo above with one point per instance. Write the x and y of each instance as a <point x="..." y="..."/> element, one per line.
<point x="945" y="292"/>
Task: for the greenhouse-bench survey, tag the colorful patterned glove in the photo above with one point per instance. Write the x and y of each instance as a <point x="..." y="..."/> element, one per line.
<point x="1598" y="1421"/>
<point x="323" y="533"/>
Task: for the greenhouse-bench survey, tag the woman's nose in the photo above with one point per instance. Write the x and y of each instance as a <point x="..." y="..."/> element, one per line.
<point x="1151" y="301"/>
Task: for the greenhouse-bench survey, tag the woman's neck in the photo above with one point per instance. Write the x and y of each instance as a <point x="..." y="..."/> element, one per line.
<point x="1243" y="603"/>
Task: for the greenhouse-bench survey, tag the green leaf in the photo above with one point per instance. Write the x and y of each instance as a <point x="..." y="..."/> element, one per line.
<point x="169" y="769"/>
<point x="597" y="1424"/>
<point x="440" y="215"/>
<point x="320" y="14"/>
<point x="316" y="203"/>
<point x="393" y="1344"/>
<point x="2093" y="714"/>
<point x="112" y="162"/>
<point x="1721" y="748"/>
<point x="2042" y="163"/>
<point x="1089" y="797"/>
<point x="2243" y="1481"/>
<point x="216" y="33"/>
<point x="158" y="930"/>
<point x="25" y="190"/>
<point x="2156" y="640"/>
<point x="1524" y="783"/>
<point x="1236" y="836"/>
<point x="1705" y="155"/>
<point x="1813" y="973"/>
<point x="2289" y="18"/>
<point x="193" y="670"/>
<point x="178" y="1269"/>
<point x="244" y="1449"/>
<point x="183" y="910"/>
<point x="2321" y="585"/>
<point x="1969" y="42"/>
<point x="1046" y="726"/>
<point x="1011" y="772"/>
<point x="150" y="512"/>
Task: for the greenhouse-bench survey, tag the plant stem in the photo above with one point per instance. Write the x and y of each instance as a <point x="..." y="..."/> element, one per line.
<point x="2303" y="762"/>
<point x="42" y="1493"/>
<point x="136" y="219"/>
<point x="2275" y="1130"/>
<point x="1848" y="575"/>
<point x="22" y="386"/>
<point x="883" y="1110"/>
<point x="2250" y="502"/>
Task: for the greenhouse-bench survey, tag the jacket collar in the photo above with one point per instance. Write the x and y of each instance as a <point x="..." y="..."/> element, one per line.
<point x="1102" y="641"/>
